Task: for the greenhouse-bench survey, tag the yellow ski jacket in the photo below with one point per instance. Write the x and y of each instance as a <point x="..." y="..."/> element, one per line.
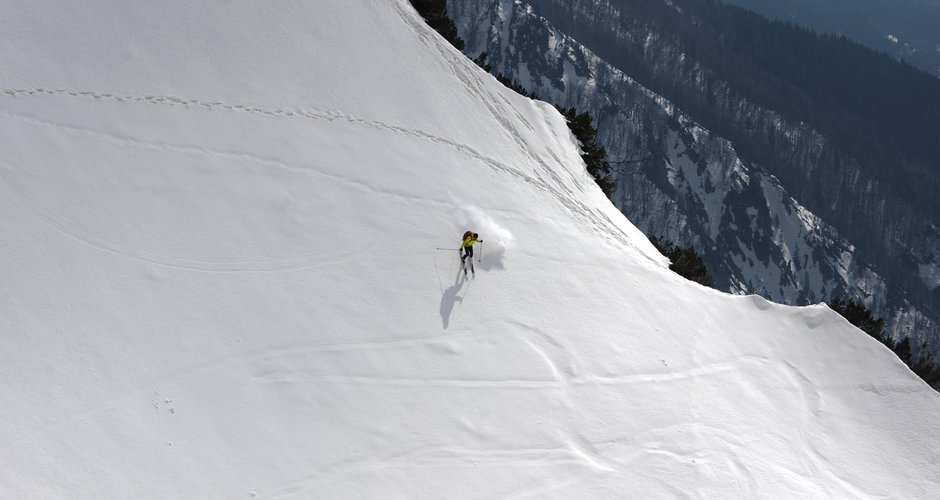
<point x="469" y="241"/>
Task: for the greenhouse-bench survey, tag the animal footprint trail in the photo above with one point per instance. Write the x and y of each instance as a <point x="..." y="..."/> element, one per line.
<point x="557" y="188"/>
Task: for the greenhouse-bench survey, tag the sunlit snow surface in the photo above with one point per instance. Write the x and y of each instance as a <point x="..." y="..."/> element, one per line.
<point x="220" y="279"/>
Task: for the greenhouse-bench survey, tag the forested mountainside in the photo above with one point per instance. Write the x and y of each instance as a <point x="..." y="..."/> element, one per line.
<point x="906" y="29"/>
<point x="790" y="187"/>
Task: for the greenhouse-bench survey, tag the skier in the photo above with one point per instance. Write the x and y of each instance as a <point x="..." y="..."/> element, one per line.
<point x="469" y="238"/>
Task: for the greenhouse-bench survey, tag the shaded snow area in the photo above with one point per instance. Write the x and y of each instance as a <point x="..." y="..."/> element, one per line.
<point x="219" y="225"/>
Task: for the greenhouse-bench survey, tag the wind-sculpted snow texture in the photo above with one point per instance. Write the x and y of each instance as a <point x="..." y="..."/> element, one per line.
<point x="681" y="181"/>
<point x="221" y="280"/>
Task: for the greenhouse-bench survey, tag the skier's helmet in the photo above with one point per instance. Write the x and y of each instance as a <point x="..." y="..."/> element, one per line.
<point x="475" y="235"/>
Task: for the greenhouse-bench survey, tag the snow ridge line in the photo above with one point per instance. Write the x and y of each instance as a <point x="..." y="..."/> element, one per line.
<point x="592" y="218"/>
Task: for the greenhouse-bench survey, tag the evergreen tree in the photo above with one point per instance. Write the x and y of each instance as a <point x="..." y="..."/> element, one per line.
<point x="861" y="317"/>
<point x="593" y="154"/>
<point x="581" y="126"/>
<point x="510" y="83"/>
<point x="481" y="61"/>
<point x="435" y="14"/>
<point x="684" y="261"/>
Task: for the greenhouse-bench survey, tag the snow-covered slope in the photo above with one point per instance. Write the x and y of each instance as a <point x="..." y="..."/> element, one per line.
<point x="686" y="183"/>
<point x="220" y="275"/>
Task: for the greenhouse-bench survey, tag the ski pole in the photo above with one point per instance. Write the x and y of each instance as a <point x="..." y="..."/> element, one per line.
<point x="481" y="253"/>
<point x="451" y="249"/>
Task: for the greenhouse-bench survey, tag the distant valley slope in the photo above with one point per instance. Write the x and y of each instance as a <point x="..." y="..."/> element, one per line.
<point x="779" y="207"/>
<point x="906" y="29"/>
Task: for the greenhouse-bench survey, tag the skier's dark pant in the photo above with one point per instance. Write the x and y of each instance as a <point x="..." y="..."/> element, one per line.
<point x="468" y="253"/>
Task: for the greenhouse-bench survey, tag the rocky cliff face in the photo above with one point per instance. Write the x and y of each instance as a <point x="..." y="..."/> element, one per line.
<point x="800" y="229"/>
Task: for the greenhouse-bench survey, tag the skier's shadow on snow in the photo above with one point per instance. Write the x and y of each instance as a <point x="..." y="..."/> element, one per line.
<point x="450" y="298"/>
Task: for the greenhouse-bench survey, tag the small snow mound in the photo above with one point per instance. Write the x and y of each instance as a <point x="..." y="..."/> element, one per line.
<point x="819" y="315"/>
<point x="760" y="302"/>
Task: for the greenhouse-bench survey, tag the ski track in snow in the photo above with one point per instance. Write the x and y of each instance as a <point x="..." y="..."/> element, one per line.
<point x="220" y="365"/>
<point x="297" y="263"/>
<point x="432" y="456"/>
<point x="473" y="83"/>
<point x="557" y="187"/>
<point x="555" y="356"/>
<point x="328" y="397"/>
<point x="475" y="86"/>
<point x="572" y="447"/>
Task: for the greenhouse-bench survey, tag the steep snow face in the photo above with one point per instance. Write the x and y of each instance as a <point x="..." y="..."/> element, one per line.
<point x="679" y="180"/>
<point x="221" y="279"/>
